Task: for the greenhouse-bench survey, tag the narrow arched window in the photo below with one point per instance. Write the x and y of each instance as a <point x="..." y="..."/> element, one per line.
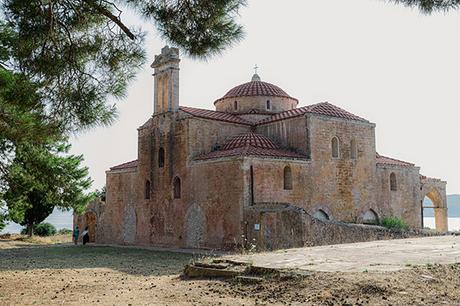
<point x="176" y="187"/>
<point x="147" y="189"/>
<point x="287" y="178"/>
<point x="161" y="158"/>
<point x="393" y="184"/>
<point x="235" y="105"/>
<point x="335" y="147"/>
<point x="268" y="105"/>
<point x="353" y="149"/>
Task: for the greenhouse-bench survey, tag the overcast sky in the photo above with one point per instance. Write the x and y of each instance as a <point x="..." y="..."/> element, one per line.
<point x="389" y="64"/>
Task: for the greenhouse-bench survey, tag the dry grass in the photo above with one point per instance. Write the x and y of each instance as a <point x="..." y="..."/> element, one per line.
<point x="56" y="239"/>
<point x="34" y="274"/>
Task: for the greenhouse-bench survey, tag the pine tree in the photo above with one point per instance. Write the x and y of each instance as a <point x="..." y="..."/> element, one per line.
<point x="42" y="177"/>
<point x="430" y="6"/>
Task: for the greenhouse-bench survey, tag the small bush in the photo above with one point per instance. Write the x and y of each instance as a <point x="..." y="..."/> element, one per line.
<point x="64" y="231"/>
<point x="43" y="230"/>
<point x="394" y="223"/>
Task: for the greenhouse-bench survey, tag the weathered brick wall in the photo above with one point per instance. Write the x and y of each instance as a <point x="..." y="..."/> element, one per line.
<point x="118" y="221"/>
<point x="204" y="135"/>
<point x="268" y="176"/>
<point x="404" y="202"/>
<point x="273" y="226"/>
<point x="344" y="185"/>
<point x="221" y="200"/>
<point x="206" y="192"/>
<point x="291" y="133"/>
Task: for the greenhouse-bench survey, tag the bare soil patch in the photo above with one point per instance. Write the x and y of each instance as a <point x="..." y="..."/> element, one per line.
<point x="33" y="274"/>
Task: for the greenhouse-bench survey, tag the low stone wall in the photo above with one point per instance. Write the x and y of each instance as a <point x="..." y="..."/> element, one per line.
<point x="273" y="226"/>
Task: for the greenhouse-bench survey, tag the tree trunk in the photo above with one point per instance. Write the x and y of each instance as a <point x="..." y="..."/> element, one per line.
<point x="30" y="230"/>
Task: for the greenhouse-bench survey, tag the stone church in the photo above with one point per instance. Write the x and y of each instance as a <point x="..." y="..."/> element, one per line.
<point x="258" y="169"/>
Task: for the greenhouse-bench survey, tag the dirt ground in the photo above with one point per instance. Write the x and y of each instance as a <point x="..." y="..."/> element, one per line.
<point x="32" y="274"/>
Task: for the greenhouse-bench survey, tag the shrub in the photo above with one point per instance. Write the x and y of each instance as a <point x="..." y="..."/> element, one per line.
<point x="42" y="229"/>
<point x="394" y="223"/>
<point x="45" y="229"/>
<point x="64" y="231"/>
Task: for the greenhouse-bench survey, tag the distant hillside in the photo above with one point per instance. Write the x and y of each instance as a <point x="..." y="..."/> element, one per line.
<point x="453" y="206"/>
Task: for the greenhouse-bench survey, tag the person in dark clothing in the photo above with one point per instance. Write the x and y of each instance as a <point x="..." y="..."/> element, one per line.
<point x="85" y="236"/>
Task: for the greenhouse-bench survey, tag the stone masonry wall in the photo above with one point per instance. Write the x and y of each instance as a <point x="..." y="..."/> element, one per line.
<point x="272" y="226"/>
<point x="345" y="186"/>
<point x="206" y="192"/>
<point x="117" y="224"/>
<point x="404" y="202"/>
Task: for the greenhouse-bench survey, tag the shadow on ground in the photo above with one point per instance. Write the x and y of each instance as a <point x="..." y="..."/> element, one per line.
<point x="128" y="260"/>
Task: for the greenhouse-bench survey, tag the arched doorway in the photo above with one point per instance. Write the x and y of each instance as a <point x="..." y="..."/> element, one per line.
<point x="90" y="221"/>
<point x="434" y="213"/>
<point x="370" y="217"/>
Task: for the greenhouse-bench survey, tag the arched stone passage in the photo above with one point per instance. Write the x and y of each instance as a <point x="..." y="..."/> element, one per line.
<point x="321" y="215"/>
<point x="435" y="190"/>
<point x="370" y="217"/>
<point x="439" y="210"/>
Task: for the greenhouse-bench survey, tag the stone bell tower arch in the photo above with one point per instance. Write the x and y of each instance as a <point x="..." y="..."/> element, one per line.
<point x="166" y="80"/>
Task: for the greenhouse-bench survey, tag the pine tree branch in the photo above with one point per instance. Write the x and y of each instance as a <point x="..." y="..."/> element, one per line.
<point x="102" y="10"/>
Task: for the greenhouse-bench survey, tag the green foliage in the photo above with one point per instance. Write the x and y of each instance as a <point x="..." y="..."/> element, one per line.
<point x="199" y="27"/>
<point x="394" y="223"/>
<point x="100" y="193"/>
<point x="43" y="177"/>
<point x="430" y="6"/>
<point x="64" y="231"/>
<point x="42" y="229"/>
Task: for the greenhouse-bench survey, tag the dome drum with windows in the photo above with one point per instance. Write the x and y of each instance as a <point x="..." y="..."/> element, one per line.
<point x="256" y="97"/>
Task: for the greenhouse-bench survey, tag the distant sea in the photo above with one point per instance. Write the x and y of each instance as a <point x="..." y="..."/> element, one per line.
<point x="60" y="219"/>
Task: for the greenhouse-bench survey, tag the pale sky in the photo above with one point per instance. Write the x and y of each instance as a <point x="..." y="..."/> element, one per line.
<point x="389" y="64"/>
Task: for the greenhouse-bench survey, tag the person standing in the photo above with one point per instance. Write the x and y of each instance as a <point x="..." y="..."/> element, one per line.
<point x="76" y="234"/>
<point x="85" y="236"/>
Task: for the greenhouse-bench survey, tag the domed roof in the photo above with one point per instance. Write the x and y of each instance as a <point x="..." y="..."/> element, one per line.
<point x="249" y="139"/>
<point x="255" y="88"/>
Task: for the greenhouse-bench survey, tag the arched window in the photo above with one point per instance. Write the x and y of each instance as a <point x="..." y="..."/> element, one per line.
<point x="176" y="187"/>
<point x="370" y="217"/>
<point x="161" y="158"/>
<point x="147" y="189"/>
<point x="335" y="147"/>
<point x="321" y="215"/>
<point x="353" y="149"/>
<point x="287" y="178"/>
<point x="235" y="105"/>
<point x="268" y="105"/>
<point x="393" y="184"/>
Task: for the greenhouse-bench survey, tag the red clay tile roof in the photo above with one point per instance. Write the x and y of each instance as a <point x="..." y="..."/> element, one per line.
<point x="324" y="108"/>
<point x="388" y="161"/>
<point x="213" y="115"/>
<point x="131" y="164"/>
<point x="250" y="144"/>
<point x="249" y="139"/>
<point x="255" y="88"/>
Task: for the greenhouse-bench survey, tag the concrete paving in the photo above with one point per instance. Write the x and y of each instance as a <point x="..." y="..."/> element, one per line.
<point x="383" y="255"/>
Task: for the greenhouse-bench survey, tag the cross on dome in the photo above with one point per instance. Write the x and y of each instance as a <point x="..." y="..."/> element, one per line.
<point x="255" y="77"/>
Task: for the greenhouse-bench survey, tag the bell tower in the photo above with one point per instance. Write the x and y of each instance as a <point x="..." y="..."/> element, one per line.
<point x="166" y="80"/>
